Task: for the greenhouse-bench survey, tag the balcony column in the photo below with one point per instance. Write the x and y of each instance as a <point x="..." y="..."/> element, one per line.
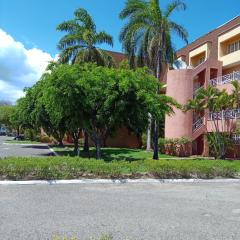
<point x="206" y="113"/>
<point x="207" y="77"/>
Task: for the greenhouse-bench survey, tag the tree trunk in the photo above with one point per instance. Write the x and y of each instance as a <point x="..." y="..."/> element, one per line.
<point x="149" y="132"/>
<point x="86" y="142"/>
<point x="76" y="146"/>
<point x="222" y="151"/>
<point x="156" y="124"/>
<point x="155" y="140"/>
<point x="60" y="143"/>
<point x="98" y="148"/>
<point x="205" y="146"/>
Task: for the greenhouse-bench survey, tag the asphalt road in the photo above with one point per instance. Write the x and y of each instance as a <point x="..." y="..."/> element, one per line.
<point x="128" y="211"/>
<point x="21" y="150"/>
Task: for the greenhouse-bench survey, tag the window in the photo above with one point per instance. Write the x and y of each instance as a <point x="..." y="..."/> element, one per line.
<point x="233" y="47"/>
<point x="201" y="60"/>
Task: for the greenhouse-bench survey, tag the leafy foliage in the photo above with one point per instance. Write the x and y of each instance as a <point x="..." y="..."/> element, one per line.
<point x="175" y="147"/>
<point x="98" y="99"/>
<point x="79" y="44"/>
<point x="75" y="168"/>
<point x="216" y="101"/>
<point x="147" y="33"/>
<point x="146" y="38"/>
<point x="6" y="111"/>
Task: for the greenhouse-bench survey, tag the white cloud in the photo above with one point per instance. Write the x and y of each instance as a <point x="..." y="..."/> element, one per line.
<point x="19" y="67"/>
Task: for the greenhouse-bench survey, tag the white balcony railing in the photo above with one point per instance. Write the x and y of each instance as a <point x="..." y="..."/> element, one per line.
<point x="236" y="138"/>
<point x="196" y="89"/>
<point x="225" y="79"/>
<point x="226" y="114"/>
<point x="197" y="124"/>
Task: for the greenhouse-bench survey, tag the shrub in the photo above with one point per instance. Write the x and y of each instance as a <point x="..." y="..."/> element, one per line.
<point x="75" y="168"/>
<point x="178" y="146"/>
<point x="45" y="139"/>
<point x="217" y="150"/>
<point x="161" y="145"/>
<point x="31" y="134"/>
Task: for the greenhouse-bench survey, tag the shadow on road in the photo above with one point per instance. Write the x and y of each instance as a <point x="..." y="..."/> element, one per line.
<point x="35" y="147"/>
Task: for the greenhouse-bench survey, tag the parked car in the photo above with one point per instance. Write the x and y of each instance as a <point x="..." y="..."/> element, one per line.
<point x="2" y="133"/>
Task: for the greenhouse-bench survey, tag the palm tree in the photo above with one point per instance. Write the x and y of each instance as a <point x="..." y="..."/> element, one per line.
<point x="146" y="38"/>
<point x="215" y="101"/>
<point x="80" y="45"/>
<point x="81" y="41"/>
<point x="236" y="94"/>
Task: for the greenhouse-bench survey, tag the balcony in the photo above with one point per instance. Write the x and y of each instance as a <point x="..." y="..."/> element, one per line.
<point x="236" y="138"/>
<point x="195" y="90"/>
<point x="225" y="79"/>
<point x="197" y="124"/>
<point x="226" y="115"/>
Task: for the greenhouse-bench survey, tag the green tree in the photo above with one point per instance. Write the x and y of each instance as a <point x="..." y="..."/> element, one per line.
<point x="217" y="102"/>
<point x="81" y="41"/>
<point x="146" y="38"/>
<point x="63" y="99"/>
<point x="119" y="97"/>
<point x="6" y="112"/>
<point x="31" y="113"/>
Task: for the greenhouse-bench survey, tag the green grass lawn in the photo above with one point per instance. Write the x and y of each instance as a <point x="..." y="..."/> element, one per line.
<point x="76" y="168"/>
<point x="111" y="154"/>
<point x="22" y="142"/>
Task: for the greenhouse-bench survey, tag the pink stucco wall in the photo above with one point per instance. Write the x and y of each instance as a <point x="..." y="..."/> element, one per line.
<point x="180" y="87"/>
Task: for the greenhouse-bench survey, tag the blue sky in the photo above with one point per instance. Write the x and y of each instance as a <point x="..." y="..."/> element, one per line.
<point x="33" y="22"/>
<point x="28" y="31"/>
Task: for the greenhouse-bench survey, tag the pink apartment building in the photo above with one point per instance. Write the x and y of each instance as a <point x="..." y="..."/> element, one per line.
<point x="212" y="59"/>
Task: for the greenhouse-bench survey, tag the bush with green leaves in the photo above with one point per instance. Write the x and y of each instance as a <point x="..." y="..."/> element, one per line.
<point x="51" y="168"/>
<point x="176" y="146"/>
<point x="216" y="102"/>
<point x="98" y="99"/>
<point x="31" y="134"/>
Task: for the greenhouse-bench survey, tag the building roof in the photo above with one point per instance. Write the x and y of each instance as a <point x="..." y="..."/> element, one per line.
<point x="206" y="37"/>
<point x="117" y="56"/>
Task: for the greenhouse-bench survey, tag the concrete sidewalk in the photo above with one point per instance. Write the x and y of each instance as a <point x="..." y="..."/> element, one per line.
<point x="176" y="211"/>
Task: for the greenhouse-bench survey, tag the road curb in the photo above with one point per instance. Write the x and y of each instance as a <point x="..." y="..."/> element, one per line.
<point x="52" y="151"/>
<point x="25" y="144"/>
<point x="117" y="181"/>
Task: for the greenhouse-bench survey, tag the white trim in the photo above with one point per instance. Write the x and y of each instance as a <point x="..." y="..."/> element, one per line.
<point x="227" y="22"/>
<point x="25" y="144"/>
<point x="118" y="181"/>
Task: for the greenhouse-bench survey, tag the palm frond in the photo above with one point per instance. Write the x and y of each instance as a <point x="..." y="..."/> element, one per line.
<point x="179" y="30"/>
<point x="103" y="37"/>
<point x="68" y="55"/>
<point x="68" y="26"/>
<point x="108" y="60"/>
<point x="175" y="5"/>
<point x="132" y="6"/>
<point x="71" y="40"/>
<point x="83" y="17"/>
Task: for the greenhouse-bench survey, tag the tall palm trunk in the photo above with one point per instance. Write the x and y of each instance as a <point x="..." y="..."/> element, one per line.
<point x="149" y="130"/>
<point x="75" y="136"/>
<point x="86" y="142"/>
<point x="98" y="148"/>
<point x="156" y="123"/>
